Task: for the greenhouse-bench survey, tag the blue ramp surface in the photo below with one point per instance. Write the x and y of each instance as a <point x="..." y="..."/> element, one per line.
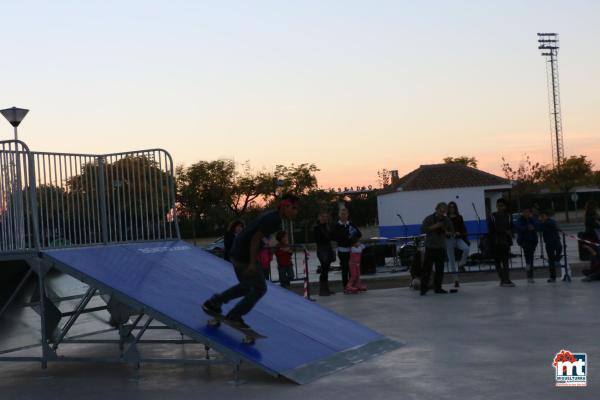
<point x="171" y="280"/>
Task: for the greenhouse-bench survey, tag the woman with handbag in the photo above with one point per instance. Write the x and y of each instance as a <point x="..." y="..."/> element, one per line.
<point x="325" y="252"/>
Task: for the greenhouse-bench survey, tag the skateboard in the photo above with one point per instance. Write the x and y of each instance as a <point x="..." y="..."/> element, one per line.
<point x="250" y="335"/>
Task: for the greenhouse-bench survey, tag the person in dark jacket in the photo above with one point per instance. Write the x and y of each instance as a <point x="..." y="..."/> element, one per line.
<point x="592" y="221"/>
<point x="550" y="234"/>
<point x="322" y="232"/>
<point x="527" y="237"/>
<point x="500" y="238"/>
<point x="234" y="229"/>
<point x="438" y="228"/>
<point x="345" y="233"/>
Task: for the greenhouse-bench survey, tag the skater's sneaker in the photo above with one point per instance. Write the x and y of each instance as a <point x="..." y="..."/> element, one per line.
<point x="551" y="280"/>
<point x="507" y="284"/>
<point x="237" y="321"/>
<point x="350" y="290"/>
<point x="331" y="292"/>
<point x="212" y="308"/>
<point x="362" y="288"/>
<point x="456" y="284"/>
<point x="441" y="291"/>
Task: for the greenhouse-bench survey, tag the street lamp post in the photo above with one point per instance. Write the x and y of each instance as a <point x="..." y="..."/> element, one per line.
<point x="14" y="115"/>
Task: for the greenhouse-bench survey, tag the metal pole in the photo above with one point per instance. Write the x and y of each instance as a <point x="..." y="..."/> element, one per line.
<point x="555" y="112"/>
<point x="16" y="133"/>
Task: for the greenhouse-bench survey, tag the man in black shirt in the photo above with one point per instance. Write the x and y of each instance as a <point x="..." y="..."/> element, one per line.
<point x="500" y="237"/>
<point x="252" y="285"/>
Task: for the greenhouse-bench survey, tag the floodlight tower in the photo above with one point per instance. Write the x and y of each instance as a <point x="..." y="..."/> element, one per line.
<point x="548" y="44"/>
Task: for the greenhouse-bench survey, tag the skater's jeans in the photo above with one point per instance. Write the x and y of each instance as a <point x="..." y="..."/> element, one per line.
<point x="451" y="245"/>
<point x="252" y="287"/>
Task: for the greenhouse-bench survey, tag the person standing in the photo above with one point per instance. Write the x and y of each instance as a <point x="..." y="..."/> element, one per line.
<point x="527" y="238"/>
<point x="437" y="227"/>
<point x="234" y="229"/>
<point x="552" y="241"/>
<point x="354" y="283"/>
<point x="283" y="253"/>
<point x="252" y="285"/>
<point x="325" y="254"/>
<point x="458" y="241"/>
<point x="592" y="222"/>
<point x="500" y="237"/>
<point x="345" y="233"/>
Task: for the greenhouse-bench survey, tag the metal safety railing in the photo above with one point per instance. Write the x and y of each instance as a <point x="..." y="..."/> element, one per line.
<point x="17" y="198"/>
<point x="52" y="200"/>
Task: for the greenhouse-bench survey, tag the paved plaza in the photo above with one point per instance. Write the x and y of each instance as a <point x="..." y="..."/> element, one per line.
<point x="484" y="342"/>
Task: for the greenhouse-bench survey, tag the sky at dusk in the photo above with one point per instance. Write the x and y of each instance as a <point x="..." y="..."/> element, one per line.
<point x="352" y="86"/>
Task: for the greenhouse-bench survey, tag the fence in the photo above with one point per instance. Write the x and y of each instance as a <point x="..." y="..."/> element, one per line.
<point x="62" y="199"/>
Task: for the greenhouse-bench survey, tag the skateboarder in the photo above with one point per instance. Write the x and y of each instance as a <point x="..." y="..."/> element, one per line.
<point x="252" y="285"/>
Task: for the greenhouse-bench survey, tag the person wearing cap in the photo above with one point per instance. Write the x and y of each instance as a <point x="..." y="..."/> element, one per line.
<point x="252" y="285"/>
<point x="437" y="227"/>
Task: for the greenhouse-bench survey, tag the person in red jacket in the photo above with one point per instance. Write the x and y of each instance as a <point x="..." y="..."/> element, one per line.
<point x="284" y="260"/>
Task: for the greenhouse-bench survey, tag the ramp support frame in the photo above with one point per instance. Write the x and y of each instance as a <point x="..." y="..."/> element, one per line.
<point x="127" y="342"/>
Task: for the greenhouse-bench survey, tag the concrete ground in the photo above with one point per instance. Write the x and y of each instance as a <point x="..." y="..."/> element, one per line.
<point x="484" y="342"/>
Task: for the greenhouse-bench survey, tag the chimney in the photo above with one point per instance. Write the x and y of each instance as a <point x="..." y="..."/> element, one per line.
<point x="394" y="178"/>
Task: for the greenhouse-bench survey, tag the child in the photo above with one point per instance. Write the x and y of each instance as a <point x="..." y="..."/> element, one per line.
<point x="265" y="255"/>
<point x="354" y="284"/>
<point x="284" y="260"/>
<point x="552" y="241"/>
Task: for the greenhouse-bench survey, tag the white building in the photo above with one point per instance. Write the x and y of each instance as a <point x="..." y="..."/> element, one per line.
<point x="415" y="195"/>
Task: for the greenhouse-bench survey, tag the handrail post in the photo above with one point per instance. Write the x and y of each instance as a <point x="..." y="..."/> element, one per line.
<point x="102" y="197"/>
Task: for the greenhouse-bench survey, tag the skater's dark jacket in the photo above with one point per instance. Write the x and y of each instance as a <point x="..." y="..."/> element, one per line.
<point x="345" y="234"/>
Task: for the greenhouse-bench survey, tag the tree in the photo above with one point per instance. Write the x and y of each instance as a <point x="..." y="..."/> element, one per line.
<point x="383" y="178"/>
<point x="463" y="160"/>
<point x="596" y="178"/>
<point x="297" y="179"/>
<point x="204" y="192"/>
<point x="572" y="172"/>
<point x="525" y="178"/>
